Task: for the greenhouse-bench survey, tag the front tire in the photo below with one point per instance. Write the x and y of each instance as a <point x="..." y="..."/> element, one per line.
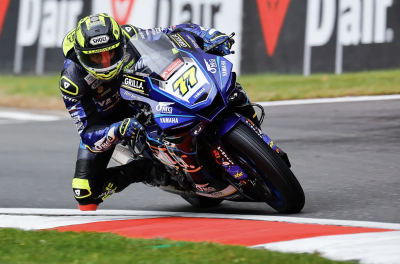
<point x="287" y="193"/>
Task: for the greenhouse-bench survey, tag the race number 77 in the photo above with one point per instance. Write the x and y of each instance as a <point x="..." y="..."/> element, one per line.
<point x="186" y="81"/>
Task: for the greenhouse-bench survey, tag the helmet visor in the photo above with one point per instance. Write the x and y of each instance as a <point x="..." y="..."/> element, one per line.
<point x="102" y="60"/>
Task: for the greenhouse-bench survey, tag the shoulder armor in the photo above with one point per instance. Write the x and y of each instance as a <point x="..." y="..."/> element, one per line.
<point x="68" y="43"/>
<point x="74" y="81"/>
<point x="68" y="86"/>
<point x="129" y="31"/>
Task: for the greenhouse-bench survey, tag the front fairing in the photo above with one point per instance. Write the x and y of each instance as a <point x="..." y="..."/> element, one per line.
<point x="194" y="91"/>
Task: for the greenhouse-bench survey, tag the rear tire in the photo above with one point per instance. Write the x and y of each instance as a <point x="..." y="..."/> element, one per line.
<point x="241" y="139"/>
<point x="201" y="201"/>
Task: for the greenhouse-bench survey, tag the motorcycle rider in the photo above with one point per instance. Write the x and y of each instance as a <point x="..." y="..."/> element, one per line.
<point x="96" y="53"/>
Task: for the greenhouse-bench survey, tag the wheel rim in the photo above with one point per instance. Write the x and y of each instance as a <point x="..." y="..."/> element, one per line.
<point x="250" y="168"/>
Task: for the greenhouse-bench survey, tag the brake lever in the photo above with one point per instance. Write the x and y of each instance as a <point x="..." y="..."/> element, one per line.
<point x="206" y="49"/>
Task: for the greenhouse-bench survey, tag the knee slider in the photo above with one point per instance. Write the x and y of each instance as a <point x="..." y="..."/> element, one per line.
<point x="81" y="188"/>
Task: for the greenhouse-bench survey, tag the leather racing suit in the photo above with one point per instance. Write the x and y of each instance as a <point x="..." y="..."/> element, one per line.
<point x="95" y="105"/>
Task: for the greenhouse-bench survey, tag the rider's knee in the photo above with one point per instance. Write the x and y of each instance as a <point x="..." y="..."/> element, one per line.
<point x="84" y="195"/>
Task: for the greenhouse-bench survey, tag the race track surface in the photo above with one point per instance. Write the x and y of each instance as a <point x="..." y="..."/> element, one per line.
<point x="345" y="155"/>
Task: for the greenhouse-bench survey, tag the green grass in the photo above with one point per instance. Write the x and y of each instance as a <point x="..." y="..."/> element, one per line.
<point x="273" y="87"/>
<point x="259" y="87"/>
<point x="41" y="86"/>
<point x="17" y="246"/>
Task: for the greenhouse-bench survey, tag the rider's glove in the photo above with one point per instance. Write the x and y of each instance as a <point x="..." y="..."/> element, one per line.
<point x="129" y="128"/>
<point x="213" y="36"/>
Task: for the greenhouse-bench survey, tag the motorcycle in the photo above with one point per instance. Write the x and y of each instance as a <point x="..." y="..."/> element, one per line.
<point x="183" y="96"/>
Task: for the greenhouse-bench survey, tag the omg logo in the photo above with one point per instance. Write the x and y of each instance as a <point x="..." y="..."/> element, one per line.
<point x="99" y="40"/>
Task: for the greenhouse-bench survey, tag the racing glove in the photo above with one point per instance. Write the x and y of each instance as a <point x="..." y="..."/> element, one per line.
<point x="129" y="128"/>
<point x="213" y="36"/>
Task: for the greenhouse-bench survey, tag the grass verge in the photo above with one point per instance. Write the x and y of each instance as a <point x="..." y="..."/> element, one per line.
<point x="42" y="91"/>
<point x="17" y="246"/>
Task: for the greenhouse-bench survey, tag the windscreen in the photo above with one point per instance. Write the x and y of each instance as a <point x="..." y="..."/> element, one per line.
<point x="158" y="55"/>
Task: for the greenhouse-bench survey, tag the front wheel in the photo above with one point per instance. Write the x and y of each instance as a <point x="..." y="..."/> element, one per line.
<point x="257" y="159"/>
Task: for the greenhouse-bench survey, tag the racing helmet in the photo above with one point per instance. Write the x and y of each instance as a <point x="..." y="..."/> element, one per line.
<point x="100" y="46"/>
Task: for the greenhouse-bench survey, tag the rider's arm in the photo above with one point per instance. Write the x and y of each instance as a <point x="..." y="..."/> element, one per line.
<point x="95" y="134"/>
<point x="203" y="36"/>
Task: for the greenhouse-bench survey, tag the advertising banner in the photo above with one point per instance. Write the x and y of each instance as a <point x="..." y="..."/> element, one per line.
<point x="308" y="36"/>
<point x="285" y="36"/>
<point x="223" y="15"/>
<point x="32" y="32"/>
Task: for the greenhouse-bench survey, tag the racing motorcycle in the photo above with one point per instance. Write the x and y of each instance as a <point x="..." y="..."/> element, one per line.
<point x="183" y="96"/>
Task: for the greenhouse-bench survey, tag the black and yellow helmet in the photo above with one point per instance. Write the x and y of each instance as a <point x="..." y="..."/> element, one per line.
<point x="100" y="46"/>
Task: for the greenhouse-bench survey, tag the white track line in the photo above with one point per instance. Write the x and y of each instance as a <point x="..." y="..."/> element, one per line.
<point x="368" y="248"/>
<point x="120" y="213"/>
<point x="27" y="116"/>
<point x="332" y="100"/>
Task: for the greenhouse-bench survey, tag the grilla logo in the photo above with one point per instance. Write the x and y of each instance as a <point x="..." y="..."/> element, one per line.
<point x="272" y="14"/>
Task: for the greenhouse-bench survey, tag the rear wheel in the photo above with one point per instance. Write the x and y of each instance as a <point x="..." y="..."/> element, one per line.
<point x="258" y="160"/>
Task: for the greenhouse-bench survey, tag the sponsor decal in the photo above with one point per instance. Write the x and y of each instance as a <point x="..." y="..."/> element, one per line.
<point x="223" y="68"/>
<point x="255" y="129"/>
<point x="69" y="99"/>
<point x="272" y="14"/>
<point x="142" y="74"/>
<point x="134" y="84"/>
<point x="181" y="42"/>
<point x="225" y="192"/>
<point x="121" y="10"/>
<point x="238" y="175"/>
<point x="193" y="41"/>
<point x="102" y="144"/>
<point x="169" y="120"/>
<point x="225" y="163"/>
<point x="271" y="144"/>
<point x="211" y="66"/>
<point x="100" y="89"/>
<point x="225" y="156"/>
<point x="96" y="84"/>
<point x="99" y="40"/>
<point x="205" y="188"/>
<point x="90" y="79"/>
<point x="77" y="121"/>
<point x="133" y="96"/>
<point x="103" y="94"/>
<point x="216" y="154"/>
<point x="109" y="191"/>
<point x="200" y="92"/>
<point x="171" y="69"/>
<point x="164" y="108"/>
<point x="110" y="100"/>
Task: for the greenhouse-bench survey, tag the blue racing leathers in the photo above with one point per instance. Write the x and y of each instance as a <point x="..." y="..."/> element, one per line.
<point x="96" y="106"/>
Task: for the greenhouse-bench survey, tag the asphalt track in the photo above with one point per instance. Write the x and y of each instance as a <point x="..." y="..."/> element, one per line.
<point x="345" y="155"/>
